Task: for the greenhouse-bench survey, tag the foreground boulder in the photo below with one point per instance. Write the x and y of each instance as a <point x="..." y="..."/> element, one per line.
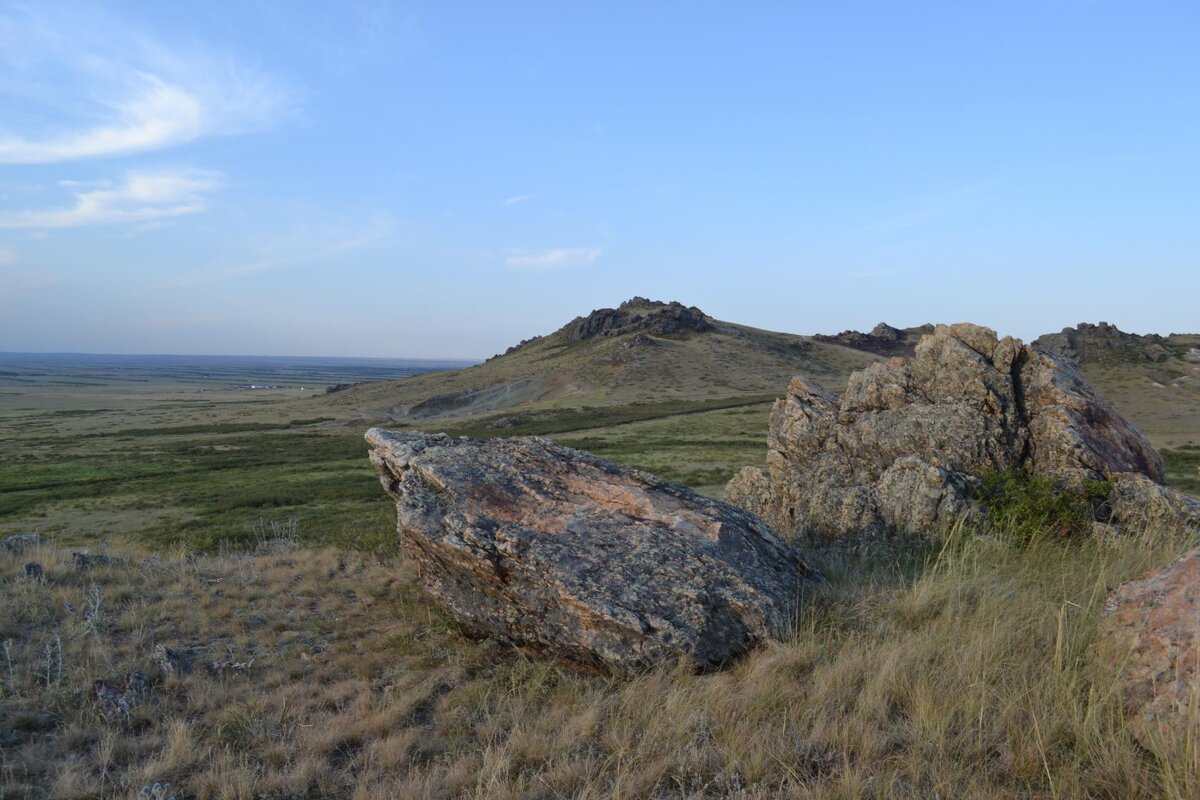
<point x="1151" y="630"/>
<point x="905" y="446"/>
<point x="557" y="551"/>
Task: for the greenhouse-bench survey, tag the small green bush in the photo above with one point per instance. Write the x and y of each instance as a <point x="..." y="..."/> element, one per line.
<point x="1030" y="507"/>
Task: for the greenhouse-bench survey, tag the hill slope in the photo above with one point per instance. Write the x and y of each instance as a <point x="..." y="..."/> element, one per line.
<point x="641" y="352"/>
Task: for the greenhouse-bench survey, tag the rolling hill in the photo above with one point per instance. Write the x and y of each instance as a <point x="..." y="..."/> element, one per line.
<point x="642" y="353"/>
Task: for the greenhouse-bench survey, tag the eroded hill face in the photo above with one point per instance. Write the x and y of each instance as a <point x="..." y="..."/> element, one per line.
<point x="642" y="351"/>
<point x="1154" y="380"/>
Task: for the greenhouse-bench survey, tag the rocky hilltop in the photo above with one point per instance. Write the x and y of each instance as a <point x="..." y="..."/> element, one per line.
<point x="1154" y="380"/>
<point x="904" y="448"/>
<point x="634" y="316"/>
<point x="638" y="352"/>
<point x="639" y="315"/>
<point x="883" y="339"/>
<point x="1100" y="342"/>
<point x="557" y="551"/>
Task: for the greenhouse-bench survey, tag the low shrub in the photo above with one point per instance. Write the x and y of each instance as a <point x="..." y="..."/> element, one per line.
<point x="1028" y="506"/>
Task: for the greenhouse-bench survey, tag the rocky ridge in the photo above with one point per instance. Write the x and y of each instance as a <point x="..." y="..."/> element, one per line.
<point x="883" y="339"/>
<point x="903" y="449"/>
<point x="638" y="315"/>
<point x="1103" y="341"/>
<point x="562" y="553"/>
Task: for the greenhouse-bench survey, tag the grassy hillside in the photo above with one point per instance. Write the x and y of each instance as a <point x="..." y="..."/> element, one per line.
<point x="587" y="365"/>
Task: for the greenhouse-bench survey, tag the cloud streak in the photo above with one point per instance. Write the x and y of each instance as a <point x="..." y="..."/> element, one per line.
<point x="87" y="99"/>
<point x="141" y="197"/>
<point x="157" y="115"/>
<point x="553" y="259"/>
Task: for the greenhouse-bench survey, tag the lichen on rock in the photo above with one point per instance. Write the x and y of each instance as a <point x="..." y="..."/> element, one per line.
<point x="1151" y="631"/>
<point x="559" y="552"/>
<point x="904" y="448"/>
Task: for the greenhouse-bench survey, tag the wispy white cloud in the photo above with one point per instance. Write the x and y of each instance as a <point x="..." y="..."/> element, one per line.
<point x="92" y="93"/>
<point x="141" y="197"/>
<point x="518" y="198"/>
<point x="295" y="251"/>
<point x="154" y="116"/>
<point x="552" y="259"/>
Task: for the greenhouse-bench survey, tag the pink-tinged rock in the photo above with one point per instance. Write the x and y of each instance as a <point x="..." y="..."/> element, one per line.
<point x="1152" y="630"/>
<point x="557" y="551"/>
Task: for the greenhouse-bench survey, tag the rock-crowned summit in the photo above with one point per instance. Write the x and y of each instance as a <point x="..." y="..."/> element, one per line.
<point x="905" y="446"/>
<point x="1105" y="342"/>
<point x="639" y="315"/>
<point x="883" y="340"/>
<point x="559" y="552"/>
<point x="636" y="315"/>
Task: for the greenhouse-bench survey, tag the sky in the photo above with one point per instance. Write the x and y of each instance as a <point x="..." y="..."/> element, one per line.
<point x="444" y="179"/>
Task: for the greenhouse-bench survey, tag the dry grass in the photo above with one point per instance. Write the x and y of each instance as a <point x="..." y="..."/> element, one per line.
<point x="966" y="673"/>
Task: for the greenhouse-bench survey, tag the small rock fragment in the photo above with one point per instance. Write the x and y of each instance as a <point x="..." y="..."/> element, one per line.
<point x="85" y="561"/>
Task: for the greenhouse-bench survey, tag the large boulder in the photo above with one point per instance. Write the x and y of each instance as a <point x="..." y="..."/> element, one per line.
<point x="905" y="446"/>
<point x="557" y="551"/>
<point x="1151" y="630"/>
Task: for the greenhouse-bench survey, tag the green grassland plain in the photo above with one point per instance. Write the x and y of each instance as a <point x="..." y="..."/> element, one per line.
<point x="194" y="460"/>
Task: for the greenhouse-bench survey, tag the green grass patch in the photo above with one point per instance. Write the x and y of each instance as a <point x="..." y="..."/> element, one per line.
<point x="216" y="427"/>
<point x="1183" y="468"/>
<point x="565" y="420"/>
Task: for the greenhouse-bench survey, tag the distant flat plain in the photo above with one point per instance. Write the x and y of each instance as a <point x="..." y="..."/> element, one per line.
<point x="176" y="448"/>
<point x="179" y="452"/>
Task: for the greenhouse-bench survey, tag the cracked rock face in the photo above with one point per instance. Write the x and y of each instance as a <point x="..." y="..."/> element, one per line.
<point x="902" y="447"/>
<point x="1151" y="629"/>
<point x="557" y="551"/>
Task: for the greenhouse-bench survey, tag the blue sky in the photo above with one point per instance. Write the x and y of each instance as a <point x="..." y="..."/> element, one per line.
<point x="444" y="179"/>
